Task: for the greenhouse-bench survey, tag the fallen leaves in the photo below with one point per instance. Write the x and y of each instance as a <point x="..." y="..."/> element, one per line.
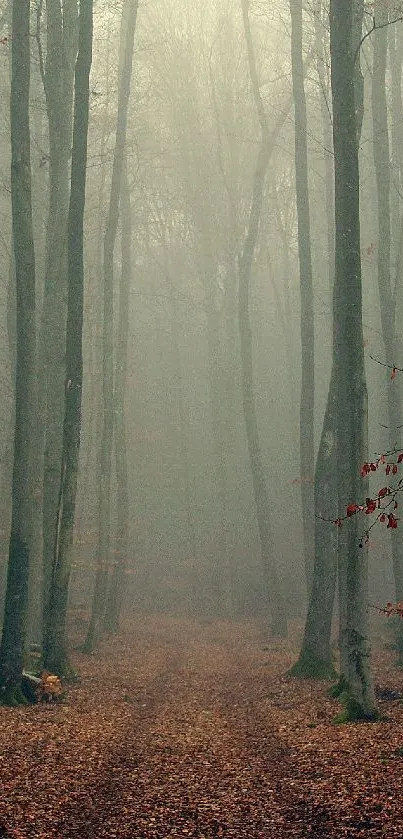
<point x="183" y="730"/>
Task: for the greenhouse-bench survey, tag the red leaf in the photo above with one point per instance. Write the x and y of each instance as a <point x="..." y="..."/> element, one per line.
<point x="372" y="467"/>
<point x="338" y="522"/>
<point x="382" y="518"/>
<point x="364" y="469"/>
<point x="400" y="457"/>
<point x="394" y="469"/>
<point x="370" y="506"/>
<point x="393" y="373"/>
<point x="392" y="521"/>
<point x="387" y="470"/>
<point x="382" y="492"/>
<point x="351" y="509"/>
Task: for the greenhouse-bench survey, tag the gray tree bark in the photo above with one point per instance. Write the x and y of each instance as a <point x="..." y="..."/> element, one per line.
<point x="20" y="545"/>
<point x="387" y="293"/>
<point x="306" y="437"/>
<point x="348" y="361"/>
<point x="129" y="18"/>
<point x="56" y="657"/>
<point x="58" y="77"/>
<point x="274" y="594"/>
<point x="116" y="587"/>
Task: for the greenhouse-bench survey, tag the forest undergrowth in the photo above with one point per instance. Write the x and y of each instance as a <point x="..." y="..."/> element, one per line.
<point x="184" y="729"/>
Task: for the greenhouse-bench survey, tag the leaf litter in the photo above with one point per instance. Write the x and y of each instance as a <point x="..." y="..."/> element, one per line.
<point x="184" y="729"/>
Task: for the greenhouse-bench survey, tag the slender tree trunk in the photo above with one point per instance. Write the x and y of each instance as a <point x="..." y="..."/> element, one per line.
<point x="315" y="658"/>
<point x="396" y="60"/>
<point x="55" y="650"/>
<point x="348" y="359"/>
<point x="327" y="141"/>
<point x="117" y="582"/>
<point x="20" y="546"/>
<point x="387" y="294"/>
<point x="277" y="606"/>
<point x="221" y="558"/>
<point x="129" y="17"/>
<point x="305" y="271"/>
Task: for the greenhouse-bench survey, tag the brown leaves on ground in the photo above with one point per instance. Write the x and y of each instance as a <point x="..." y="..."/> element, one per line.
<point x="186" y="730"/>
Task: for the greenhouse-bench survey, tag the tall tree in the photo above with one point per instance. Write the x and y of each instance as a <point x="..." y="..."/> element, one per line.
<point x="58" y="80"/>
<point x="20" y="546"/>
<point x="315" y="658"/>
<point x="128" y="27"/>
<point x="387" y="289"/>
<point x="277" y="608"/>
<point x="55" y="647"/>
<point x="116" y="586"/>
<point x="305" y="272"/>
<point x="348" y="362"/>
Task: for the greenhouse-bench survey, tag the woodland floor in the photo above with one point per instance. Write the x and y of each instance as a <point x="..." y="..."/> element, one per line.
<point x="180" y="729"/>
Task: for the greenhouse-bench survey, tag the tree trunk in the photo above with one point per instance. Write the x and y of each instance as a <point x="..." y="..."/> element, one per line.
<point x="128" y="26"/>
<point x="117" y="582"/>
<point x="305" y="271"/>
<point x="348" y="359"/>
<point x="20" y="546"/>
<point x="277" y="606"/>
<point x="221" y="559"/>
<point x="59" y="83"/>
<point x="387" y="296"/>
<point x="327" y="141"/>
<point x="55" y="649"/>
<point x="315" y="658"/>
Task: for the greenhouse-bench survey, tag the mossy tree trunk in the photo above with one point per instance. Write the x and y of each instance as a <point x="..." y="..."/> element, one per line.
<point x="20" y="546"/>
<point x="348" y="358"/>
<point x="58" y="78"/>
<point x="128" y="27"/>
<point x="56" y="657"/>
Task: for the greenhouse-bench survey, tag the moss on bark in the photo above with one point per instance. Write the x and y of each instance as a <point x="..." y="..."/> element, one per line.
<point x="13" y="696"/>
<point x="311" y="667"/>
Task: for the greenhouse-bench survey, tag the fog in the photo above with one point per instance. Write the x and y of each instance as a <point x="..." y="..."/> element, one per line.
<point x="192" y="143"/>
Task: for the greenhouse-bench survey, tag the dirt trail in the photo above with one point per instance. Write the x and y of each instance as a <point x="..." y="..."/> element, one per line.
<point x="194" y="756"/>
<point x="179" y="729"/>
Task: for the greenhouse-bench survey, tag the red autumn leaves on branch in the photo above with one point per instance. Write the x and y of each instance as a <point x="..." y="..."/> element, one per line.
<point x="385" y="500"/>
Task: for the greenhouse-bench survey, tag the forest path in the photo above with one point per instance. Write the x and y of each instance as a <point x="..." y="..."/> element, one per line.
<point x="182" y="729"/>
<point x="195" y="753"/>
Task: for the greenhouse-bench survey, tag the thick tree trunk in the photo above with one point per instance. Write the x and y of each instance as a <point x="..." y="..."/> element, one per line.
<point x="55" y="649"/>
<point x="59" y="83"/>
<point x="348" y="358"/>
<point x="307" y="457"/>
<point x="20" y="547"/>
<point x="128" y="27"/>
